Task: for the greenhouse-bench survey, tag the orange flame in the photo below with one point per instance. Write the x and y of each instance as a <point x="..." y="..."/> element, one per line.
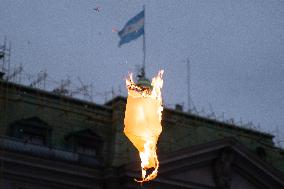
<point x="142" y="122"/>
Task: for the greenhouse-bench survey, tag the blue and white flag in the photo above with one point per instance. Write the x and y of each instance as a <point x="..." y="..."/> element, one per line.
<point x="133" y="29"/>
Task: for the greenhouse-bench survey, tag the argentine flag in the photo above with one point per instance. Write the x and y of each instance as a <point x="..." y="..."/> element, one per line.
<point x="133" y="29"/>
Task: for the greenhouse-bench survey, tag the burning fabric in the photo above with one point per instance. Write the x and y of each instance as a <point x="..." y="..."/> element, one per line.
<point x="143" y="121"/>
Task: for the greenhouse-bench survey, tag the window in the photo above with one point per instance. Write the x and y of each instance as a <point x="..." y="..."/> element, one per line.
<point x="32" y="130"/>
<point x="90" y="151"/>
<point x="34" y="139"/>
<point x="85" y="142"/>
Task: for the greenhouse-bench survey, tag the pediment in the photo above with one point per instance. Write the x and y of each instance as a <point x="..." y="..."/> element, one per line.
<point x="198" y="174"/>
<point x="203" y="176"/>
<point x="32" y="125"/>
<point x="86" y="137"/>
<point x="32" y="121"/>
<point x="225" y="164"/>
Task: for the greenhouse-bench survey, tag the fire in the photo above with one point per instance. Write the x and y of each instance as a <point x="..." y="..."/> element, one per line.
<point x="142" y="122"/>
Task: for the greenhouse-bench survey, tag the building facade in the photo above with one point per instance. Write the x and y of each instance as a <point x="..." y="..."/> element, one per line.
<point x="53" y="141"/>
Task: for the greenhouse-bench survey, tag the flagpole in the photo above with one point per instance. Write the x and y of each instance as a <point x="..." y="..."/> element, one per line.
<point x="144" y="47"/>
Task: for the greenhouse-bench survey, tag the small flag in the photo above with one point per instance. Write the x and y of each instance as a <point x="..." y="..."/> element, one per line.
<point x="133" y="29"/>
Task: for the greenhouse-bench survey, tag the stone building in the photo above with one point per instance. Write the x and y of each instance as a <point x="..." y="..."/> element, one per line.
<point x="51" y="141"/>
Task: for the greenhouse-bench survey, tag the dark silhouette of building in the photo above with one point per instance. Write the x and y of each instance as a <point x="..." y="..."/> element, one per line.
<point x="51" y="141"/>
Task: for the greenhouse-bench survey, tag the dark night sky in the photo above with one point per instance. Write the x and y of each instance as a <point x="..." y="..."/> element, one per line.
<point x="236" y="50"/>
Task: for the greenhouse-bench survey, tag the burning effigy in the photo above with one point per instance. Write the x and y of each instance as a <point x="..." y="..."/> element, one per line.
<point x="142" y="121"/>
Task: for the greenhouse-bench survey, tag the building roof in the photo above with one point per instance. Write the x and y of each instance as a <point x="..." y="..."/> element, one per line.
<point x="35" y="91"/>
<point x="106" y="107"/>
<point x="191" y="116"/>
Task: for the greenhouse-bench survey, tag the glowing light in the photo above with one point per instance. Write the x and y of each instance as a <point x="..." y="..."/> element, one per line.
<point x="142" y="122"/>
